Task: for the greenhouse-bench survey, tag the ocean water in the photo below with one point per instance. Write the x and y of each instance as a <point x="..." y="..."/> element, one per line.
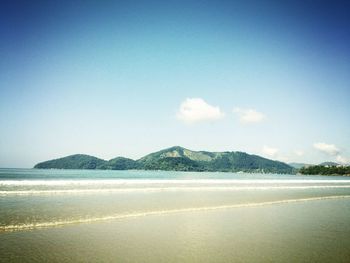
<point x="157" y="216"/>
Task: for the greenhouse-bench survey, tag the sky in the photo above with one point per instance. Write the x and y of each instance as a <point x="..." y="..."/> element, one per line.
<point x="126" y="78"/>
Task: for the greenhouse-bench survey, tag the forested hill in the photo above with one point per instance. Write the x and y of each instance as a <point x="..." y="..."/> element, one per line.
<point x="76" y="161"/>
<point x="178" y="158"/>
<point x="175" y="159"/>
<point x="326" y="170"/>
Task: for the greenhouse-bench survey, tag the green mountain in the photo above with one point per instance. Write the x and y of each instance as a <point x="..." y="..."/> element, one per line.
<point x="120" y="163"/>
<point x="76" y="161"/>
<point x="181" y="159"/>
<point x="176" y="159"/>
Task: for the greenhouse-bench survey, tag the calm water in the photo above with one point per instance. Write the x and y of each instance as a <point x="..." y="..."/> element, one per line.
<point x="154" y="216"/>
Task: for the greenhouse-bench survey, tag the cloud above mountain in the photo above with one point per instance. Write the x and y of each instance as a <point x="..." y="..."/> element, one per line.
<point x="194" y="110"/>
<point x="269" y="151"/>
<point x="299" y="153"/>
<point x="343" y="160"/>
<point x="329" y="149"/>
<point x="332" y="150"/>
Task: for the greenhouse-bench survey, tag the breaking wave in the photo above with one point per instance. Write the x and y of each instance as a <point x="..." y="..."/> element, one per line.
<point x="160" y="212"/>
<point x="165" y="181"/>
<point x="162" y="189"/>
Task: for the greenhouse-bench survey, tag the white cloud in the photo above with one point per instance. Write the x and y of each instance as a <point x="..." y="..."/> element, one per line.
<point x="269" y="151"/>
<point x="299" y="152"/>
<point x="249" y="115"/>
<point x="284" y="159"/>
<point x="329" y="149"/>
<point x="342" y="160"/>
<point x="197" y="110"/>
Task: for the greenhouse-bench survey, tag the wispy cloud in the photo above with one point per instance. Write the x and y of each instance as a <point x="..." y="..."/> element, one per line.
<point x="248" y="116"/>
<point x="329" y="149"/>
<point x="194" y="110"/>
<point x="284" y="159"/>
<point x="332" y="150"/>
<point x="274" y="153"/>
<point x="269" y="151"/>
<point x="298" y="153"/>
<point x="343" y="160"/>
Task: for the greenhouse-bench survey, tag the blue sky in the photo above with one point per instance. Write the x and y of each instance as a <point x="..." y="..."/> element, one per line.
<point x="131" y="77"/>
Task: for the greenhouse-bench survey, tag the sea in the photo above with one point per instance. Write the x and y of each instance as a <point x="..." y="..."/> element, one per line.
<point x="166" y="216"/>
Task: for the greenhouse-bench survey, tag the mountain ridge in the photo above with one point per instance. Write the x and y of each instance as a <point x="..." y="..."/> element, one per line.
<point x="299" y="165"/>
<point x="175" y="158"/>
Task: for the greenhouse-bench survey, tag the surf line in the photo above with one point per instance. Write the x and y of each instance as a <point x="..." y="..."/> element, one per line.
<point x="33" y="226"/>
<point x="167" y="181"/>
<point x="162" y="189"/>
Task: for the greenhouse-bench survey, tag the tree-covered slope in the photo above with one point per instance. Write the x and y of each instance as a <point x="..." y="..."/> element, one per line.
<point x="240" y="161"/>
<point x="172" y="164"/>
<point x="120" y="163"/>
<point x="76" y="161"/>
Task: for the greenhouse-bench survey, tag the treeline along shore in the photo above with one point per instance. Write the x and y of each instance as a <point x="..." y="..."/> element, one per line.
<point x="325" y="170"/>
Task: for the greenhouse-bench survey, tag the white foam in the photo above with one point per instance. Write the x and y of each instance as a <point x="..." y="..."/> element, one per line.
<point x="161" y="212"/>
<point x="163" y="189"/>
<point x="165" y="181"/>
